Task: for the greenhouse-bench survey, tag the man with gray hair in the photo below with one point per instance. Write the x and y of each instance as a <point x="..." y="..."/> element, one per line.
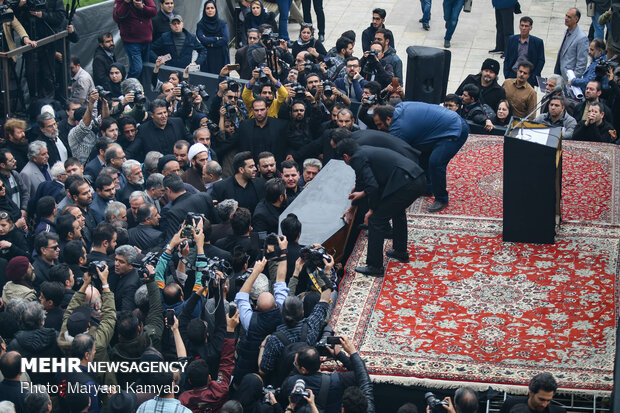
<point x="154" y="189"/>
<point x="116" y="211"/>
<point x="311" y="167"/>
<point x="48" y="133"/>
<point x="145" y="235"/>
<point x="34" y="340"/>
<point x="54" y="188"/>
<point x="136" y="199"/>
<point x="128" y="280"/>
<point x="114" y="158"/>
<point x="225" y="210"/>
<point x="37" y="168"/>
<point x="150" y="163"/>
<point x="135" y="180"/>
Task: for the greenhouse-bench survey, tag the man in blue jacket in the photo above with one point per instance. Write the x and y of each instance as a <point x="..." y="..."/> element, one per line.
<point x="523" y="47"/>
<point x="180" y="44"/>
<point x="435" y="131"/>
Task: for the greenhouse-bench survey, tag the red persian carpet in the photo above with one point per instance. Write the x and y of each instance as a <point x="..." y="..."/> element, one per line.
<point x="471" y="308"/>
<point x="590" y="184"/>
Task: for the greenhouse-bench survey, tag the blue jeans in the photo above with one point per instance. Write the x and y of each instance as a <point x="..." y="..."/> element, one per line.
<point x="426" y="11"/>
<point x="451" y="11"/>
<point x="439" y="154"/>
<point x="137" y="53"/>
<point x="284" y="7"/>
<point x="599" y="30"/>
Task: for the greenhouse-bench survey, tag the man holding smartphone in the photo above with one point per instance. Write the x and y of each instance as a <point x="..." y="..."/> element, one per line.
<point x="134" y="22"/>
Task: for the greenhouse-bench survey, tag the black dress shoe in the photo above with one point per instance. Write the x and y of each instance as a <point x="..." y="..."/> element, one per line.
<point x="371" y="271"/>
<point x="400" y="256"/>
<point x="437" y="206"/>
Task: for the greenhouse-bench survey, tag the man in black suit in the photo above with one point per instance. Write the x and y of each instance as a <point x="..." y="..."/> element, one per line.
<point x="268" y="210"/>
<point x="211" y="251"/>
<point x="158" y="134"/>
<point x="241" y="55"/>
<point x="103" y="59"/>
<point x="391" y="182"/>
<point x="182" y="202"/>
<point x="377" y="139"/>
<point x="241" y="223"/>
<point x="260" y="134"/>
<point x="523" y="47"/>
<point x="291" y="229"/>
<point x="161" y="21"/>
<point x="146" y="236"/>
<point x="242" y="186"/>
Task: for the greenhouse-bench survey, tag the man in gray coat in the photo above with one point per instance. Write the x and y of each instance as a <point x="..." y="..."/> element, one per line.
<point x="573" y="53"/>
<point x="37" y="168"/>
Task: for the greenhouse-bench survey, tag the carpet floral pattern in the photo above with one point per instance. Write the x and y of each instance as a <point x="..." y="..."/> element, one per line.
<point x="471" y="308"/>
<point x="591" y="181"/>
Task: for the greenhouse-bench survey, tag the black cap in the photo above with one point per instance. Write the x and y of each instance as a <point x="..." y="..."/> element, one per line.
<point x="77" y="322"/>
<point x="122" y="402"/>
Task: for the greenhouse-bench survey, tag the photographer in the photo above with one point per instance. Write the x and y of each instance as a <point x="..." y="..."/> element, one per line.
<point x="133" y="336"/>
<point x="268" y="88"/>
<point x="227" y="97"/>
<point x="374" y="68"/>
<point x="271" y="51"/>
<point x="303" y="128"/>
<point x="132" y="102"/>
<point x="329" y="388"/>
<point x="261" y="318"/>
<point x="76" y="321"/>
<point x="599" y="57"/>
<point x="370" y="100"/>
<point x="82" y="137"/>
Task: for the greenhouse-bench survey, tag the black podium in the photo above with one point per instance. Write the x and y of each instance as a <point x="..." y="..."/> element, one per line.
<point x="532" y="182"/>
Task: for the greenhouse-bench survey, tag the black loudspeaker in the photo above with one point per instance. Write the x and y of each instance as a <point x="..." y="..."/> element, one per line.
<point x="532" y="174"/>
<point x="428" y="69"/>
<point x="614" y="32"/>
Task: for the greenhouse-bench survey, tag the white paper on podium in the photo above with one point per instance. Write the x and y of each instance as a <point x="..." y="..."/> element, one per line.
<point x="534" y="135"/>
<point x="576" y="91"/>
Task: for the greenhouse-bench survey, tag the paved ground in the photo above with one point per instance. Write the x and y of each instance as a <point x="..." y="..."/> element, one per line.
<point x="474" y="36"/>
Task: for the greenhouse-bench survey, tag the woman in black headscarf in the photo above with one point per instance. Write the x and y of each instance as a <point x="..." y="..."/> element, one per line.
<point x="117" y="75"/>
<point x="212" y="32"/>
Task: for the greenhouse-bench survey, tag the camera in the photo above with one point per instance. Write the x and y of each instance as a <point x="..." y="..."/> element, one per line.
<point x="327" y="89"/>
<point x="232" y="85"/>
<point x="434" y="403"/>
<point x="138" y="97"/>
<point x="373" y="53"/>
<point x="151" y="258"/>
<point x="322" y="344"/>
<point x="212" y="126"/>
<point x="314" y="256"/>
<point x="6" y="15"/>
<point x="93" y="266"/>
<point x="270" y="389"/>
<point x="603" y="66"/>
<point x="102" y="92"/>
<point x="188" y="224"/>
<point x="299" y="90"/>
<point x="213" y="265"/>
<point x="269" y="38"/>
<point x="299" y="391"/>
<point x="231" y="110"/>
<point x="310" y="67"/>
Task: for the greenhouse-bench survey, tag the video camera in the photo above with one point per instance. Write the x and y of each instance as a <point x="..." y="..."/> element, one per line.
<point x="209" y="271"/>
<point x="314" y="256"/>
<point x="269" y="39"/>
<point x="603" y="66"/>
<point x="434" y="403"/>
<point x="151" y="258"/>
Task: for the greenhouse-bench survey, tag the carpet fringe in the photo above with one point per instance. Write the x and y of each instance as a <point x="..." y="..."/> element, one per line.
<point x="481" y="387"/>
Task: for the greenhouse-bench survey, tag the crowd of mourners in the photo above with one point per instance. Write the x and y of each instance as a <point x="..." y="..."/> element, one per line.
<point x="137" y="230"/>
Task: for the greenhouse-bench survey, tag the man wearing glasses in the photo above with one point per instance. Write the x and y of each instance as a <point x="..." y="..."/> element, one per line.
<point x="368" y="35"/>
<point x="353" y="83"/>
<point x="47" y="249"/>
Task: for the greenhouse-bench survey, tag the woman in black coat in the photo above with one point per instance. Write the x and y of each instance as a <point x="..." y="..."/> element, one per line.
<point x="12" y="239"/>
<point x="212" y="32"/>
<point x="308" y="43"/>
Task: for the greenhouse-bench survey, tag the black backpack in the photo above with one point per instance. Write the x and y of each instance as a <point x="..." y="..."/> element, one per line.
<point x="285" y="364"/>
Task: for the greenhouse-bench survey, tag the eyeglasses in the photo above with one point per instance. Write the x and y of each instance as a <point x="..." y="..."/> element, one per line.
<point x="233" y="97"/>
<point x="1" y="187"/>
<point x="304" y="25"/>
<point x="376" y="18"/>
<point x="4" y="215"/>
<point x="53" y="247"/>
